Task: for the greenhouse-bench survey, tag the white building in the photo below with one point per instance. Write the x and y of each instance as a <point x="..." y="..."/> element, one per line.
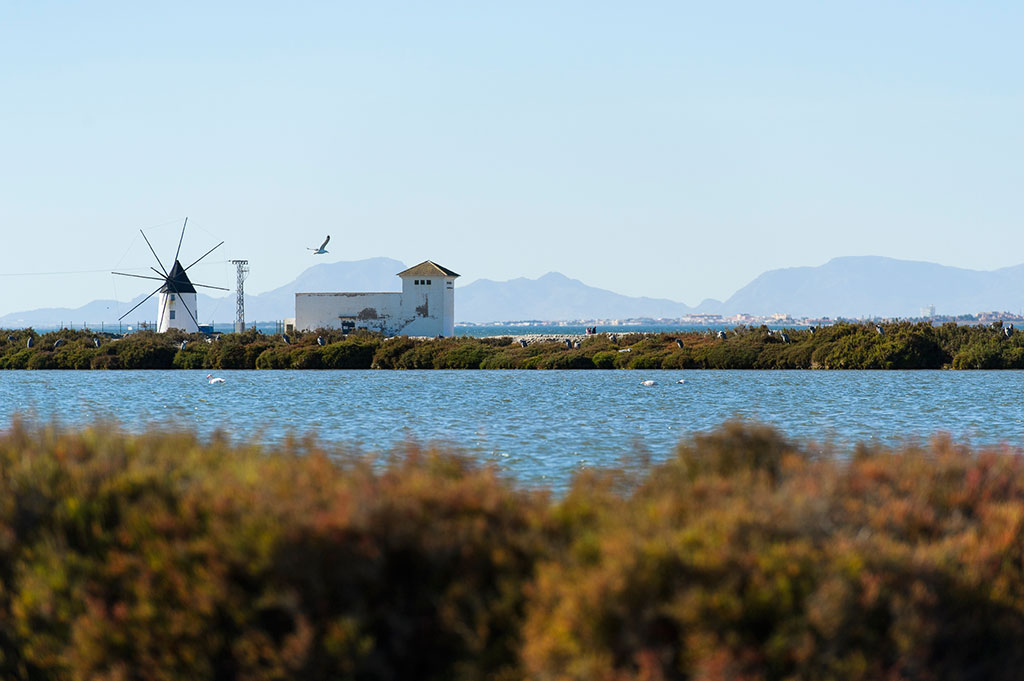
<point x="175" y="295"/>
<point x="424" y="307"/>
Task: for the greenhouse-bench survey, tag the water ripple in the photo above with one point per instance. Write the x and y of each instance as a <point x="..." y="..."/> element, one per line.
<point x="540" y="425"/>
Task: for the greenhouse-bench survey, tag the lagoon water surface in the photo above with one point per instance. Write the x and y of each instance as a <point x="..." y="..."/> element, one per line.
<point x="538" y="425"/>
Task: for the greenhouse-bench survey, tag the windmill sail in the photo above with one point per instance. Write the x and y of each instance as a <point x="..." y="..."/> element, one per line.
<point x="176" y="287"/>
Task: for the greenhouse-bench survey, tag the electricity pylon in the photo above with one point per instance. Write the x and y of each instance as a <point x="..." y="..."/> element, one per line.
<point x="242" y="268"/>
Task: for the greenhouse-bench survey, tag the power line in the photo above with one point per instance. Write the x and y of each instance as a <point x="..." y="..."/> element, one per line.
<point x="50" y="274"/>
<point x="103" y="271"/>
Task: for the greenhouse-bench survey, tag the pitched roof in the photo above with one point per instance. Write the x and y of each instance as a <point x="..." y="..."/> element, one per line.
<point x="181" y="282"/>
<point x="428" y="268"/>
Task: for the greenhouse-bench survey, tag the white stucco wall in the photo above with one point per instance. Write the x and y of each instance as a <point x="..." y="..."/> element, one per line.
<point x="371" y="311"/>
<point x="420" y="309"/>
<point x="182" y="319"/>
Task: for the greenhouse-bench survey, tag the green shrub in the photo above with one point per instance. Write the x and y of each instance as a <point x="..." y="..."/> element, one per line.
<point x="355" y="353"/>
<point x="467" y="354"/>
<point x="646" y="362"/>
<point x="42" y="359"/>
<point x="226" y="353"/>
<point x="75" y="356"/>
<point x="499" y="361"/>
<point x="160" y="557"/>
<point x="17" y="360"/>
<point x="742" y="556"/>
<point x="306" y="358"/>
<point x="567" y="359"/>
<point x="981" y="354"/>
<point x="421" y="356"/>
<point x="145" y="350"/>
<point x="105" y="361"/>
<point x="192" y="357"/>
<point x="275" y="357"/>
<point x="389" y="352"/>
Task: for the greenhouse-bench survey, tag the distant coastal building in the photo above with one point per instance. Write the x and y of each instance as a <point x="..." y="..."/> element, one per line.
<point x="424" y="307"/>
<point x="173" y="300"/>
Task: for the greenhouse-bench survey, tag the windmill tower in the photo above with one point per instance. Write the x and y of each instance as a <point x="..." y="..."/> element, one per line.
<point x="177" y="302"/>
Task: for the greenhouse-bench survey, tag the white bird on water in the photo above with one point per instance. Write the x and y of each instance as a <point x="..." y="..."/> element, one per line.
<point x="214" y="379"/>
<point x="322" y="249"/>
<point x="647" y="383"/>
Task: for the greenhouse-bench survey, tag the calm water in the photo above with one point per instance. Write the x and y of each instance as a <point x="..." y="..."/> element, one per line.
<point x="539" y="425"/>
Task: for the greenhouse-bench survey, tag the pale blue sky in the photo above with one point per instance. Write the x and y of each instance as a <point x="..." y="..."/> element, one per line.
<point x="670" y="149"/>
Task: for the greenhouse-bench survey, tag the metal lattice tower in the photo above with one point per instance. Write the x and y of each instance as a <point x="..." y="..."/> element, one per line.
<point x="242" y="268"/>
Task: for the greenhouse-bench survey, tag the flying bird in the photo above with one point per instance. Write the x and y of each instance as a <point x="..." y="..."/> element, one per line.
<point x="323" y="247"/>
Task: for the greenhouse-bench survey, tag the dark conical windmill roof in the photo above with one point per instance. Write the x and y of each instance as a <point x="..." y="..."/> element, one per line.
<point x="180" y="281"/>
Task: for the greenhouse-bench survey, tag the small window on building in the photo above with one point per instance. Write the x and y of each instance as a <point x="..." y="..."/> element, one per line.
<point x="417" y="282"/>
<point x="172" y="314"/>
<point x="172" y="297"/>
<point x="428" y="281"/>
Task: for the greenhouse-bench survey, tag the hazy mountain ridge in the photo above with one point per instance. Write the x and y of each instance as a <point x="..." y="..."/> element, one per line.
<point x="553" y="296"/>
<point x="862" y="286"/>
<point x="854" y="286"/>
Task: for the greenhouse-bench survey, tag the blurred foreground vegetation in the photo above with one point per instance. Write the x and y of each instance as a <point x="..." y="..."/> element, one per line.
<point x="901" y="345"/>
<point x="744" y="556"/>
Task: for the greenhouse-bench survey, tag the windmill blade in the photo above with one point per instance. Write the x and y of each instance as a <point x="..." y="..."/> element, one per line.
<point x="140" y="276"/>
<point x="205" y="254"/>
<point x="143" y="300"/>
<point x="219" y="288"/>
<point x="170" y="282"/>
<point x="154" y="254"/>
<point x="180" y="239"/>
<point x="157" y="271"/>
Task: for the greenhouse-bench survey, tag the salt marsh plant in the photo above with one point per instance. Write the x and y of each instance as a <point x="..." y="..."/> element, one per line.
<point x="742" y="556"/>
<point x="841" y="346"/>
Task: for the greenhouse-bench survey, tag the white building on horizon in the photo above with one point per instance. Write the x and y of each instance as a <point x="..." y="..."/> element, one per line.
<point x="175" y="295"/>
<point x="424" y="307"/>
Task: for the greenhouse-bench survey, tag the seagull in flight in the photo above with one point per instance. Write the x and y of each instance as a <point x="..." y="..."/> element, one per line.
<point x="323" y="246"/>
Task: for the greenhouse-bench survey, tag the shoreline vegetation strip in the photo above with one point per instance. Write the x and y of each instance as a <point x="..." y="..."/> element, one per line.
<point x="900" y="345"/>
<point x="743" y="556"/>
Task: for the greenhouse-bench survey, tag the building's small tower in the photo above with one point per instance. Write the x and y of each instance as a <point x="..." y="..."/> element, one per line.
<point x="428" y="297"/>
<point x="177" y="303"/>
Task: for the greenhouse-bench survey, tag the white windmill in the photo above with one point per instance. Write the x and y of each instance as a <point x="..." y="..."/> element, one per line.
<point x="177" y="292"/>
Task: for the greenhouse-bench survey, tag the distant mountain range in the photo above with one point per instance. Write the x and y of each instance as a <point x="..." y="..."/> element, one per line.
<point x="843" y="287"/>
<point x="868" y="286"/>
<point x="553" y="297"/>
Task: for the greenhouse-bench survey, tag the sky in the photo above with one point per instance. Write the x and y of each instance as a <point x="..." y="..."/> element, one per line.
<point x="673" y="150"/>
